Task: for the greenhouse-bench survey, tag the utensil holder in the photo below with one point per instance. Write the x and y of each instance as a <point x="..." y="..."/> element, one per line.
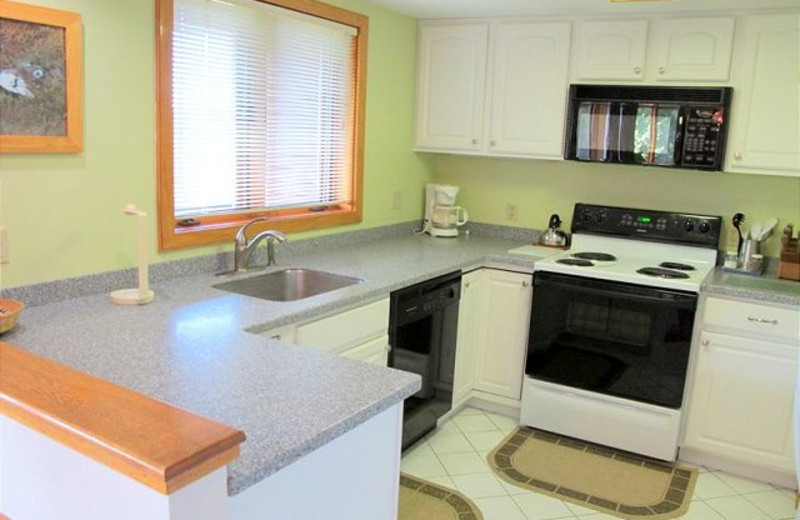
<point x="750" y="248"/>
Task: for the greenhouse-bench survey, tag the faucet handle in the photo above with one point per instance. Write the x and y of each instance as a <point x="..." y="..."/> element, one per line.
<point x="241" y="235"/>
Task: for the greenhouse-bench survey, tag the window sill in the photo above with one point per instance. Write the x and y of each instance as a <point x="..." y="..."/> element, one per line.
<point x="173" y="237"/>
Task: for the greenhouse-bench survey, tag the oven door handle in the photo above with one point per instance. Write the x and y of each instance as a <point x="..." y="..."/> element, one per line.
<point x="620" y="291"/>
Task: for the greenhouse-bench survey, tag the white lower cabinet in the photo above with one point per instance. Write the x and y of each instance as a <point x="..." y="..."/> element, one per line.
<point x="375" y="351"/>
<point x="470" y="330"/>
<point x="492" y="334"/>
<point x="360" y="333"/>
<point x="741" y="406"/>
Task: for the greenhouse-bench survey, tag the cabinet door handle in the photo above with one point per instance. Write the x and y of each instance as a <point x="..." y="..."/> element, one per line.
<point x="388" y="348"/>
<point x="637" y="70"/>
<point x="492" y="143"/>
<point x="737" y="156"/>
<point x="526" y="283"/>
<point x="705" y="343"/>
<point x="466" y="285"/>
<point x="762" y="320"/>
<point x="474" y="141"/>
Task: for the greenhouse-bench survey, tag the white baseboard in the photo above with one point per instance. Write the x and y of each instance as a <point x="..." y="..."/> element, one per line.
<point x="494" y="403"/>
<point x="700" y="458"/>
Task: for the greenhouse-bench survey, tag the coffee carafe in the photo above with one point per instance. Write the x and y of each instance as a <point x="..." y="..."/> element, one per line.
<point x="442" y="216"/>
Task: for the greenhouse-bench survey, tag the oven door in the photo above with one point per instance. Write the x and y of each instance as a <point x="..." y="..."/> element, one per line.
<point x="627" y="132"/>
<point x="613" y="338"/>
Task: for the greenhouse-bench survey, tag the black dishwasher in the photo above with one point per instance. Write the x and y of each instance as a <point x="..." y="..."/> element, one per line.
<point x="423" y="326"/>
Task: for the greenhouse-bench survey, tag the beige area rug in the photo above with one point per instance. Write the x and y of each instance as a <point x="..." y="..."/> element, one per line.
<point x="600" y="478"/>
<point x="423" y="500"/>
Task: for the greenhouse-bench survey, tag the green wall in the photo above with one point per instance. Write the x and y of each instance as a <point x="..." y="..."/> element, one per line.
<point x="541" y="188"/>
<point x="64" y="212"/>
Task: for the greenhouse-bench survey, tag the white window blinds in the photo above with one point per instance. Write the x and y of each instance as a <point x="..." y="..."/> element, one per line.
<point x="263" y="101"/>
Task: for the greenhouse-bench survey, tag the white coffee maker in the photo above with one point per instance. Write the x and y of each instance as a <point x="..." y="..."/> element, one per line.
<point x="442" y="216"/>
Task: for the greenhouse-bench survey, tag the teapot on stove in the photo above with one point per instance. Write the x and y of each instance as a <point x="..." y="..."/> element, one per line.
<point x="554" y="237"/>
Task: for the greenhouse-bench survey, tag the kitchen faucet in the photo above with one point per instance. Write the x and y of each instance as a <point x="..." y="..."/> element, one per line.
<point x="244" y="249"/>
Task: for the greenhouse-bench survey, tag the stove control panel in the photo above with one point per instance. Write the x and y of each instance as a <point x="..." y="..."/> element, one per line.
<point x="642" y="224"/>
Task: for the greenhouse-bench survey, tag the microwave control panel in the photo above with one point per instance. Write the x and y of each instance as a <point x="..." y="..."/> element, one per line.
<point x="661" y="226"/>
<point x="702" y="137"/>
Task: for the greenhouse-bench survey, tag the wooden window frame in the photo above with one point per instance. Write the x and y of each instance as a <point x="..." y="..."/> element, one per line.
<point x="222" y="228"/>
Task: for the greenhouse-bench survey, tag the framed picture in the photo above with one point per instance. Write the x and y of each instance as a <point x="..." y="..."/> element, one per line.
<point x="40" y="80"/>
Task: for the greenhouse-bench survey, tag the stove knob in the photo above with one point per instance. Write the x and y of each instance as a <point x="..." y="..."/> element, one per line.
<point x="705" y="227"/>
<point x="688" y="225"/>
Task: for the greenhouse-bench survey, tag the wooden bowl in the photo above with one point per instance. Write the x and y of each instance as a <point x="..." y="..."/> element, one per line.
<point x="9" y="314"/>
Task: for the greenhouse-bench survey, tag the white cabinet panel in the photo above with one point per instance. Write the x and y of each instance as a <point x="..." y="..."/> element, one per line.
<point x="451" y="83"/>
<point x="760" y="321"/>
<point x="765" y="129"/>
<point x="741" y="407"/>
<point x="375" y="351"/>
<point x="529" y="88"/>
<point x="503" y="344"/>
<point x="611" y="50"/>
<point x="346" y="329"/>
<point x="471" y="327"/>
<point x="687" y="49"/>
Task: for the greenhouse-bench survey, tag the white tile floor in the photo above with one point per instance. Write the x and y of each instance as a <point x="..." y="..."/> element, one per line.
<point x="455" y="456"/>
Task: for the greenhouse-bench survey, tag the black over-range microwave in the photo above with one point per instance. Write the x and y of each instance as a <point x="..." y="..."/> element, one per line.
<point x="677" y="127"/>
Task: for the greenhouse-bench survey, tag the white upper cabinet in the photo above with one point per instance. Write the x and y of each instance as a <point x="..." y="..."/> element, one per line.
<point x="685" y="49"/>
<point x="765" y="126"/>
<point x="530" y="68"/>
<point x="513" y="106"/>
<point x="679" y="49"/>
<point x="451" y="82"/>
<point x="611" y="50"/>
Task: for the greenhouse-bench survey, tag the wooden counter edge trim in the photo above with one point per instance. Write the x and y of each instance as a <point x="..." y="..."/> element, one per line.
<point x="105" y="422"/>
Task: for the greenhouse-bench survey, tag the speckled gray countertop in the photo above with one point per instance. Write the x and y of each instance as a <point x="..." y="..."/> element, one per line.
<point x="765" y="289"/>
<point x="191" y="347"/>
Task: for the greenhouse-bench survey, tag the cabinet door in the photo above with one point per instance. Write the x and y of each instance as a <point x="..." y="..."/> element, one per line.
<point x="346" y="329"/>
<point x="451" y="84"/>
<point x="611" y="50"/>
<point x="287" y="333"/>
<point x="502" y="347"/>
<point x="529" y="89"/>
<point x="765" y="127"/>
<point x="741" y="406"/>
<point x="692" y="49"/>
<point x="471" y="329"/>
<point x="375" y="351"/>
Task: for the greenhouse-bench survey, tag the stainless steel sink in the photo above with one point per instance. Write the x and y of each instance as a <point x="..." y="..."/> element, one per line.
<point x="288" y="285"/>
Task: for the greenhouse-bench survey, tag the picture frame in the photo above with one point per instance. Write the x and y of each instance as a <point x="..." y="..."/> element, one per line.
<point x="41" y="65"/>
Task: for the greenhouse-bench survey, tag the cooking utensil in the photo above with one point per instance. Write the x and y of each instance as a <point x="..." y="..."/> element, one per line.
<point x="737" y="220"/>
<point x="755" y="231"/>
<point x="767" y="229"/>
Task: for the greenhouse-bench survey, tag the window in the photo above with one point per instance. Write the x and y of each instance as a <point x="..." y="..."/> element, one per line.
<point x="261" y="110"/>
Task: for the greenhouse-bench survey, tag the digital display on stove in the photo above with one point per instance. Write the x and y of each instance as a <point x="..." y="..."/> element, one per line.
<point x="643" y="219"/>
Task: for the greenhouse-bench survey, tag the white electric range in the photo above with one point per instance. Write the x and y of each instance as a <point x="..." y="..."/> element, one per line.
<point x="611" y="327"/>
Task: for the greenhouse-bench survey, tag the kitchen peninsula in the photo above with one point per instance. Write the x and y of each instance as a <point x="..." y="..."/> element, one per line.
<point x="191" y="349"/>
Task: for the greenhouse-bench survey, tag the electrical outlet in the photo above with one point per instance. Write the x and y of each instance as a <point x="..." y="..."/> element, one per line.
<point x="397" y="199"/>
<point x="512" y="211"/>
<point x="3" y="245"/>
